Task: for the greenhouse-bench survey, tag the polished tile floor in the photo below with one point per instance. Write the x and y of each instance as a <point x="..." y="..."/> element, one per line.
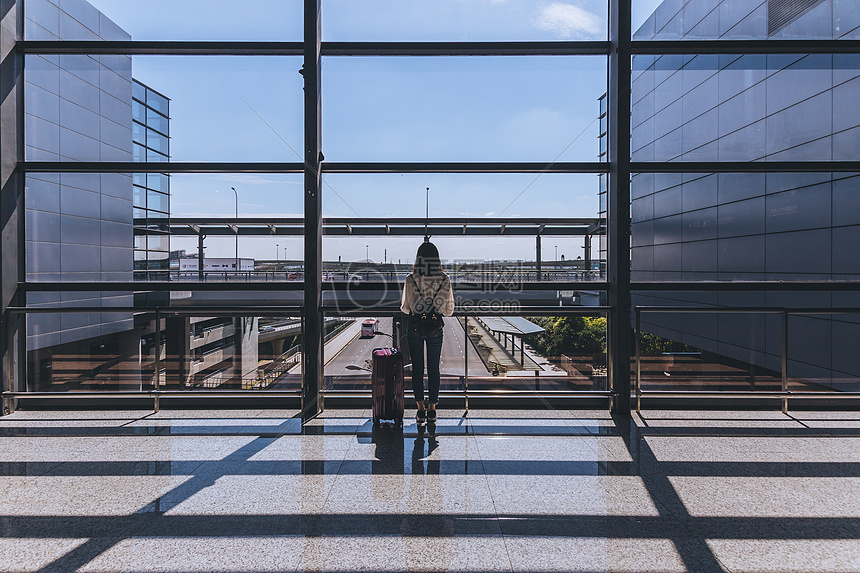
<point x="256" y="491"/>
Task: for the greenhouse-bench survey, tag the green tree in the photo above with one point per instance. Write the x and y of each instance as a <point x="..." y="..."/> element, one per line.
<point x="651" y="344"/>
<point x="569" y="335"/>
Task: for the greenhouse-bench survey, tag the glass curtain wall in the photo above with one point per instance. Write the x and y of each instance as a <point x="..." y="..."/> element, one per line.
<point x="303" y="166"/>
<point x="523" y="209"/>
<point x="732" y="254"/>
<point x="151" y="203"/>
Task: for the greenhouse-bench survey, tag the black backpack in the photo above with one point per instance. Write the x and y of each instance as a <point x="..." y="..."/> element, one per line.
<point x="428" y="323"/>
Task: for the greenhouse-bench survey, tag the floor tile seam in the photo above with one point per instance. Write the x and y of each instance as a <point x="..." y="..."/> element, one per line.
<point x="316" y="517"/>
<point x="493" y="501"/>
<point x="558" y="416"/>
<point x="337" y="474"/>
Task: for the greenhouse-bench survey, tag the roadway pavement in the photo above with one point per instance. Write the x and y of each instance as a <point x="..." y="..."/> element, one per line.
<point x="453" y="358"/>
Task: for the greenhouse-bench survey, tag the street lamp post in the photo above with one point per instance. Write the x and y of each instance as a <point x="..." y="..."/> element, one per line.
<point x="237" y="229"/>
<point x="277" y="252"/>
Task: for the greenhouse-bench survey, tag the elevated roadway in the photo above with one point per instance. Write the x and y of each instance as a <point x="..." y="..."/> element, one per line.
<point x="454" y="347"/>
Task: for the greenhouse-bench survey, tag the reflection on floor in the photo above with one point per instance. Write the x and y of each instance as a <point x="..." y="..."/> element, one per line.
<point x="232" y="491"/>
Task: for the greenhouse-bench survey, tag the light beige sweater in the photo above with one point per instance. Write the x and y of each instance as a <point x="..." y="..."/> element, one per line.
<point x="418" y="289"/>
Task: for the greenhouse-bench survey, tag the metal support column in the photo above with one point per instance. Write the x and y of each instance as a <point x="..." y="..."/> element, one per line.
<point x="587" y="262"/>
<point x="13" y="348"/>
<point x="537" y="256"/>
<point x="466" y="346"/>
<point x="785" y="360"/>
<point x="638" y="335"/>
<point x="312" y="357"/>
<point x="201" y="275"/>
<point x="156" y="406"/>
<point x="619" y="330"/>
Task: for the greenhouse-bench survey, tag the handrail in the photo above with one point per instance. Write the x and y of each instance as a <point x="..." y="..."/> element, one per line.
<point x="298" y="286"/>
<point x="784" y="312"/>
<point x="332" y="310"/>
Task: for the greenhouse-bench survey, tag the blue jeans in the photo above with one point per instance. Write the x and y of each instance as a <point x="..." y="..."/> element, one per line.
<point x="434" y="356"/>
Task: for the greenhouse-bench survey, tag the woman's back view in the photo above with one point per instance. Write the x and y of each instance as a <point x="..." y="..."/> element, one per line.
<point x="427" y="296"/>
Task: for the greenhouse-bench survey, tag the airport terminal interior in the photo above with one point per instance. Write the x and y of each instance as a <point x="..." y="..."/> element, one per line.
<point x="646" y="213"/>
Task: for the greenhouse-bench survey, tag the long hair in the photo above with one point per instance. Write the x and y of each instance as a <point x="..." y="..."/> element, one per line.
<point x="427" y="261"/>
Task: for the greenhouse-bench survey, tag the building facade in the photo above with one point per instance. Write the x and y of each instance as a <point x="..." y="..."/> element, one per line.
<point x="78" y="225"/>
<point x="151" y="143"/>
<point x="747" y="226"/>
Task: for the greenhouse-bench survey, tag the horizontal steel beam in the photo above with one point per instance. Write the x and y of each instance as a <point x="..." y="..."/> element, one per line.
<point x="745" y="286"/>
<point x="450" y="393"/>
<point x="330" y="310"/>
<point x="440" y="167"/>
<point x="511" y="285"/>
<point x="831" y="395"/>
<point x="467" y="167"/>
<point x="235" y="310"/>
<point x="585" y="48"/>
<point x="502" y="48"/>
<point x="166" y="167"/>
<point x="394" y="310"/>
<point x="368" y="231"/>
<point x="746" y="310"/>
<point x="658" y="47"/>
<point x="744" y="166"/>
<point x="191" y="48"/>
<point x="375" y="221"/>
<point x="153" y="393"/>
<point x="166" y="48"/>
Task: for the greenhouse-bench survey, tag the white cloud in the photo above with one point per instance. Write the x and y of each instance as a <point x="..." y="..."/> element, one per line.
<point x="568" y="21"/>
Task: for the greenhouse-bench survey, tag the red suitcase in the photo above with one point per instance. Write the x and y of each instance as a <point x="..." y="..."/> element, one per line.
<point x="387" y="386"/>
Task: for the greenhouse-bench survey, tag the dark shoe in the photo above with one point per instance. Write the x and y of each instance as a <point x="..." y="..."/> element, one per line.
<point x="421" y="417"/>
<point x="431" y="416"/>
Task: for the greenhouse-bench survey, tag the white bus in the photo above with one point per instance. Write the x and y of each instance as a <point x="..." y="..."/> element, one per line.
<point x="368" y="328"/>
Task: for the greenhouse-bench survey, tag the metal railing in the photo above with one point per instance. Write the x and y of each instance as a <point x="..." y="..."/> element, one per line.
<point x="550" y="272"/>
<point x="784" y="394"/>
<point x="283" y="363"/>
<point x="527" y="389"/>
<point x="290" y="358"/>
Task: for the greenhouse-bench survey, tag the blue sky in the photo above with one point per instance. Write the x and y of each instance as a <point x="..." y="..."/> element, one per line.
<point x="381" y="109"/>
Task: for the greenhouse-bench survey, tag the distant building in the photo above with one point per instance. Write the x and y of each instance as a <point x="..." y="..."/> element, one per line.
<point x="213" y="266"/>
<point x="151" y="133"/>
<point x="108" y="227"/>
<point x="741" y="226"/>
<point x="79" y="226"/>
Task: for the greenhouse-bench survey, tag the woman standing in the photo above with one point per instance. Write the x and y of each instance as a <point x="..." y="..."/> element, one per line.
<point x="427" y="297"/>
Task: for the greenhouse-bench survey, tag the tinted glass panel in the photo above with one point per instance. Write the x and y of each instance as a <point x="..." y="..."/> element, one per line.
<point x="744" y="226"/>
<point x="462" y="109"/>
<point x="745" y="108"/>
<point x="163" y="20"/>
<point x="74" y="114"/>
<point x="712" y="19"/>
<point x="494" y="360"/>
<point x="158" y="201"/>
<point x="466" y="199"/>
